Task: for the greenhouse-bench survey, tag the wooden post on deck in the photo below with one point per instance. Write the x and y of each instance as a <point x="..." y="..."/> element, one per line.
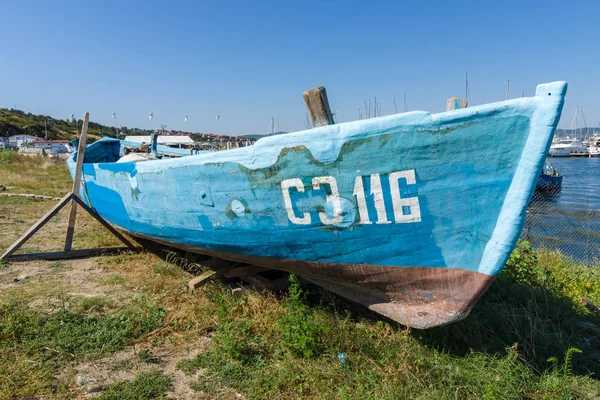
<point x="318" y="106"/>
<point x="456" y="103"/>
<point x="74" y="199"/>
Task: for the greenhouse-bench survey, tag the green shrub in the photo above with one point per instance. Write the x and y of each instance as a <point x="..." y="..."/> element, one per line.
<point x="553" y="272"/>
<point x="522" y="266"/>
<point x="7" y="156"/>
<point x="301" y="332"/>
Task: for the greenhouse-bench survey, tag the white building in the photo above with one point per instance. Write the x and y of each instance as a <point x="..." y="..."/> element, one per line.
<point x="165" y="140"/>
<point x="17" y="141"/>
<point x="53" y="146"/>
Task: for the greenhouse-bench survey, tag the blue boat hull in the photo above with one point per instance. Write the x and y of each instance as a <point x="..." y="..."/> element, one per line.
<point x="549" y="182"/>
<point x="412" y="214"/>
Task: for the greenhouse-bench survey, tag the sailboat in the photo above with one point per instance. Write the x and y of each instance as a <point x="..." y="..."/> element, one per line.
<point x="412" y="215"/>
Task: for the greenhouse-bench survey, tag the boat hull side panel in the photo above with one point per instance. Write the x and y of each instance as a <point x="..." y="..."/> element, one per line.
<point x="228" y="207"/>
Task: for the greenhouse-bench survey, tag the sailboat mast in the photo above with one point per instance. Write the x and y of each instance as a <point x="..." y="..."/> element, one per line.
<point x="278" y="126"/>
<point x="405" y="107"/>
<point x="507" y="88"/>
<point x="583" y="124"/>
<point x="467" y="86"/>
<point x="395" y="108"/>
<point x="375" y="107"/>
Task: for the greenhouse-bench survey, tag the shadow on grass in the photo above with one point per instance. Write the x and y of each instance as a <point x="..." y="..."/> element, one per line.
<point x="540" y="324"/>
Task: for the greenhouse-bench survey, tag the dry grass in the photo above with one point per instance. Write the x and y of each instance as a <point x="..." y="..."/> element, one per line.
<point x="35" y="174"/>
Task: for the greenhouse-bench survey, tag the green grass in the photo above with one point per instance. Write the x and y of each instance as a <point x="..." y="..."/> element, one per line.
<point x="92" y="305"/>
<point x="35" y="345"/>
<point x="146" y="385"/>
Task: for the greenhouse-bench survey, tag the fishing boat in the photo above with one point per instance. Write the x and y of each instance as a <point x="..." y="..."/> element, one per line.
<point x="550" y="180"/>
<point x="412" y="215"/>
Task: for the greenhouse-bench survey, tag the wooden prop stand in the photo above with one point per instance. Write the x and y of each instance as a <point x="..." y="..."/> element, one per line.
<point x="74" y="199"/>
<point x="318" y="107"/>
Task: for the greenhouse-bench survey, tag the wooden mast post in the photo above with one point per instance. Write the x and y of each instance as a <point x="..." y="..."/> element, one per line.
<point x="318" y="106"/>
<point x="77" y="182"/>
<point x="75" y="200"/>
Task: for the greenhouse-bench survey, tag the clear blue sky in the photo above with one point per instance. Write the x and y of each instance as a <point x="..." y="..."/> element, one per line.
<point x="249" y="61"/>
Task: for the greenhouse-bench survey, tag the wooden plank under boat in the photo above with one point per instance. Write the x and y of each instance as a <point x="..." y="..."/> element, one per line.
<point x="412" y="215"/>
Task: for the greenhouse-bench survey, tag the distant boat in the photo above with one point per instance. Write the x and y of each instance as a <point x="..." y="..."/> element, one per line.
<point x="412" y="215"/>
<point x="568" y="148"/>
<point x="550" y="179"/>
<point x="594" y="147"/>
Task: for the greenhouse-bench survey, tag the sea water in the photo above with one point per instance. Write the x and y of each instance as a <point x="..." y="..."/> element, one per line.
<point x="569" y="219"/>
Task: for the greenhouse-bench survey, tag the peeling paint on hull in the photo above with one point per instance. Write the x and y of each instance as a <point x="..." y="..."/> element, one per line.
<point x="412" y="214"/>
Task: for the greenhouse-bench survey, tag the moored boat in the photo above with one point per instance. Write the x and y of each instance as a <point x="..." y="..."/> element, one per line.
<point x="412" y="215"/>
<point x="550" y="180"/>
<point x="568" y="148"/>
<point x="594" y="146"/>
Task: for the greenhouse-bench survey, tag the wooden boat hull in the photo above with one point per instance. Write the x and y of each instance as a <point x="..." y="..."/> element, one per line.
<point x="412" y="215"/>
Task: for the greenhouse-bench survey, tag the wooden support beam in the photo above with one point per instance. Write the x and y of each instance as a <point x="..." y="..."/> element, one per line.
<point x="36" y="227"/>
<point x="30" y="196"/>
<point x="201" y="280"/>
<point x="61" y="255"/>
<point x="318" y="106"/>
<point x="77" y="182"/>
<point x="73" y="199"/>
